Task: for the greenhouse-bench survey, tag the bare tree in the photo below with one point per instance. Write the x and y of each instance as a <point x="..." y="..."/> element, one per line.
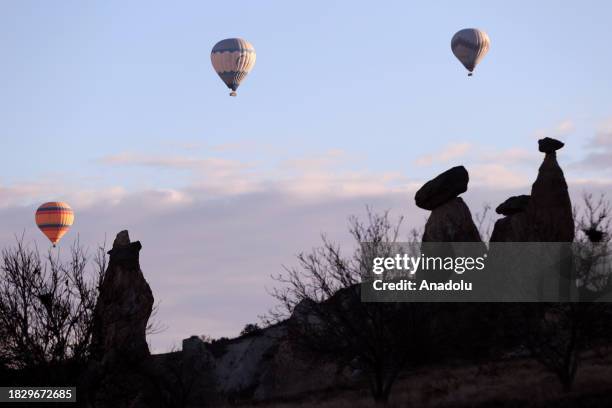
<point x="46" y="305"/>
<point x="553" y="337"/>
<point x="323" y="297"/>
<point x="484" y="222"/>
<point x="592" y="245"/>
<point x="558" y="332"/>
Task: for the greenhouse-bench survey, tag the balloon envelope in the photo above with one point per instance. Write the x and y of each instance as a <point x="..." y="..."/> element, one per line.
<point x="233" y="59"/>
<point x="54" y="220"/>
<point x="470" y="45"/>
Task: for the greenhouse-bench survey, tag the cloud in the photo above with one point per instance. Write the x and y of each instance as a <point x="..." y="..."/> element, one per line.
<point x="478" y="154"/>
<point x="603" y="137"/>
<point x="599" y="150"/>
<point x="210" y="246"/>
<point x="22" y="193"/>
<point x="508" y="156"/>
<point x="327" y="160"/>
<point x="35" y="193"/>
<point x="208" y="254"/>
<point x="173" y="162"/>
<point x="562" y="129"/>
<point x="209" y="261"/>
<point x="497" y="176"/>
<point x="346" y="184"/>
<point x="333" y="172"/>
<point x="596" y="161"/>
<point x="450" y="152"/>
<point x="493" y="168"/>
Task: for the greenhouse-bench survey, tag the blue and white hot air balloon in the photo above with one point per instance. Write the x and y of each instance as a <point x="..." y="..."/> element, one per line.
<point x="233" y="59"/>
<point x="470" y="45"/>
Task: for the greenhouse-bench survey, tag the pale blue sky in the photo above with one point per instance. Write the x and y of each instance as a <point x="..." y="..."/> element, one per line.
<point x="114" y="106"/>
<point x="81" y="80"/>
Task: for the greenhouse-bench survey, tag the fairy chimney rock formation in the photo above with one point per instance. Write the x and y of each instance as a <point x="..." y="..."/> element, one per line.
<point x="550" y="210"/>
<point x="120" y="372"/>
<point x="124" y="305"/>
<point x="450" y="219"/>
<point x="546" y="215"/>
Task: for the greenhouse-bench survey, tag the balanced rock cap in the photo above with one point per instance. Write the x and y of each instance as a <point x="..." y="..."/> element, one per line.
<point x="549" y="145"/>
<point x="443" y="188"/>
<point x="513" y="205"/>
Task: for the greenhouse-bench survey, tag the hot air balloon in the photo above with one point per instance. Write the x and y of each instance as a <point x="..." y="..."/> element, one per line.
<point x="54" y="220"/>
<point x="233" y="59"/>
<point x="470" y="45"/>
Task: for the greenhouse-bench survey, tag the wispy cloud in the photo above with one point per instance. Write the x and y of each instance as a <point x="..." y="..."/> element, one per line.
<point x="448" y="153"/>
<point x="326" y="160"/>
<point x="507" y="156"/>
<point x="209" y="261"/>
<point x="333" y="172"/>
<point x="237" y="222"/>
<point x="22" y="193"/>
<point x="603" y="136"/>
<point x="560" y="130"/>
<point x="489" y="167"/>
<point x="472" y="153"/>
<point x="173" y="162"/>
<point x="599" y="150"/>
<point x="498" y="176"/>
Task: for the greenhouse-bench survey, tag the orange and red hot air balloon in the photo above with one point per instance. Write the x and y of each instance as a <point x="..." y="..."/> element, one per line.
<point x="54" y="220"/>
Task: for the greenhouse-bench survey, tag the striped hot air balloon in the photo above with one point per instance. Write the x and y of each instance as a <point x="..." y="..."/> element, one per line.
<point x="54" y="220"/>
<point x="470" y="45"/>
<point x="233" y="59"/>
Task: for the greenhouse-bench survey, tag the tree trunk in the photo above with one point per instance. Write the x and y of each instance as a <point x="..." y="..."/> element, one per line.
<point x="381" y="399"/>
<point x="381" y="388"/>
<point x="379" y="391"/>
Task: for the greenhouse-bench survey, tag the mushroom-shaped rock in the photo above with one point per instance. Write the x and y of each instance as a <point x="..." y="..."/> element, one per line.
<point x="549" y="212"/>
<point x="513" y="205"/>
<point x="443" y="188"/>
<point x="549" y="145"/>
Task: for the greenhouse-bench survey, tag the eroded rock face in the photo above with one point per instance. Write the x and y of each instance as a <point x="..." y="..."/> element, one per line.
<point x="511" y="228"/>
<point x="451" y="222"/>
<point x="549" y="213"/>
<point x="120" y="372"/>
<point x="124" y="305"/>
<point x="246" y="367"/>
<point x="195" y="383"/>
<point x="443" y="188"/>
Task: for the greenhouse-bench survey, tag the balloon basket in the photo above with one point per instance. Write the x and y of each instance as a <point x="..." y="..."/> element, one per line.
<point x="233" y="93"/>
<point x="470" y="74"/>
